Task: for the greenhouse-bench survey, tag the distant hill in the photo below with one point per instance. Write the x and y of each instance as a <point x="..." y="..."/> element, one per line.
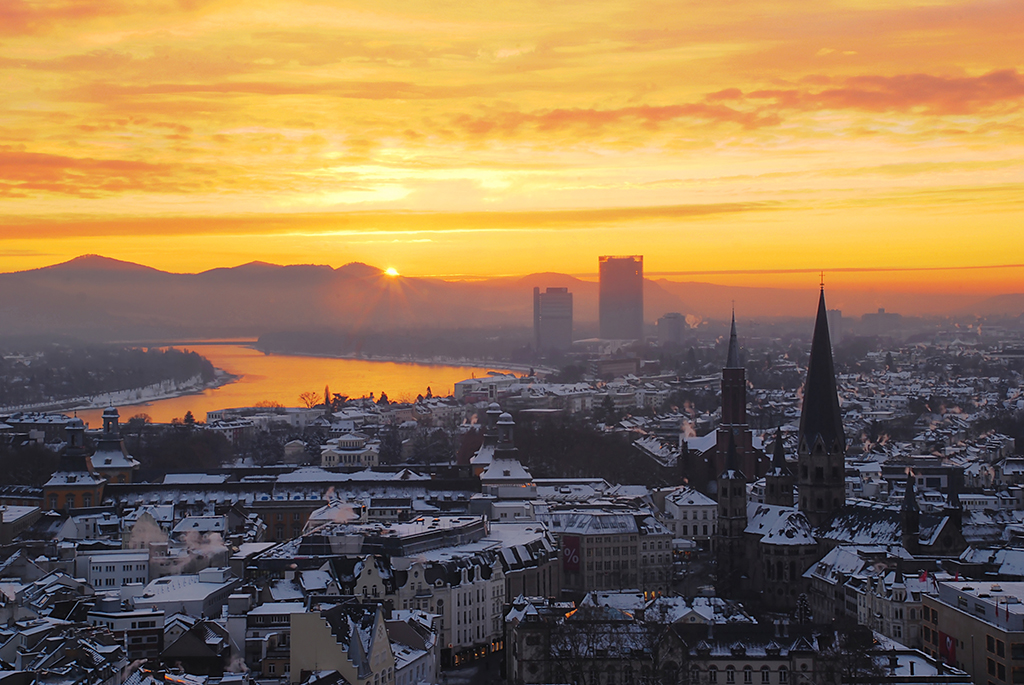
<point x="98" y="298"/>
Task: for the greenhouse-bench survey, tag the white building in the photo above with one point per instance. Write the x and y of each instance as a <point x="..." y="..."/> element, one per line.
<point x="106" y="570"/>
<point x="349" y="449"/>
<point x="691" y="515"/>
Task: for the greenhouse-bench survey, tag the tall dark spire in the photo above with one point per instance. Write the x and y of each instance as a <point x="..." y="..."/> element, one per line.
<point x="821" y="444"/>
<point x="732" y="361"/>
<point x="821" y="418"/>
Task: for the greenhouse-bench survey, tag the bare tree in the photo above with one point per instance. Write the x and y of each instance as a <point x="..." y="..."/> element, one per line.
<point x="309" y="399"/>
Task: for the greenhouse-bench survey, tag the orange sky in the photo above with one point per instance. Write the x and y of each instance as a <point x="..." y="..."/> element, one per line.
<point x="511" y="137"/>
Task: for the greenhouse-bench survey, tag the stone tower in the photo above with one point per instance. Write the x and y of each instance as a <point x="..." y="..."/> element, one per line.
<point x="821" y="449"/>
<point x="732" y="521"/>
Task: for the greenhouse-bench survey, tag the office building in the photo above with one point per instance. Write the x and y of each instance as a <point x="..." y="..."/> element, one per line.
<point x="621" y="307"/>
<point x="671" y="328"/>
<point x="552" y="319"/>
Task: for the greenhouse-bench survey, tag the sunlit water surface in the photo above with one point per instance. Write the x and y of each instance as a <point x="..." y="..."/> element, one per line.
<point x="282" y="378"/>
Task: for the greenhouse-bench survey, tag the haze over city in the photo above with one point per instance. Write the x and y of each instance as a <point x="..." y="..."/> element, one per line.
<point x="659" y="342"/>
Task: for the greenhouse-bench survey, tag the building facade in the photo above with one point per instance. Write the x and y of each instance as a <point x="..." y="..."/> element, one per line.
<point x="621" y="292"/>
<point x="552" y="319"/>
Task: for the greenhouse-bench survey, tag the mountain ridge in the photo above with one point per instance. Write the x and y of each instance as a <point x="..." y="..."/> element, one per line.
<point x="97" y="297"/>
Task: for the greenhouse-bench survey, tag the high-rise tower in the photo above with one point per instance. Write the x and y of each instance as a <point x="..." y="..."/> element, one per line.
<point x="821" y="450"/>
<point x="552" y="319"/>
<point x="621" y="307"/>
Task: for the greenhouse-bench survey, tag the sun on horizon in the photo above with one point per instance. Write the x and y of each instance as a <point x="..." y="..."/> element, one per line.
<point x="487" y="139"/>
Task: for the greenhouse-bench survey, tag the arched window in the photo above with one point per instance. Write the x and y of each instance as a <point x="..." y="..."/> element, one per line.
<point x="766" y="674"/>
<point x="748" y="674"/>
<point x="783" y="674"/>
<point x="730" y="675"/>
<point x="712" y="674"/>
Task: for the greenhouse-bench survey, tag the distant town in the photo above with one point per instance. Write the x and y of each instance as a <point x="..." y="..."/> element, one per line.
<point x="667" y="505"/>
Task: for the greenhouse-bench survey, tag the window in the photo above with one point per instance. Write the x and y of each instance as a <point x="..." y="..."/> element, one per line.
<point x="1017" y="651"/>
<point x="783" y="674"/>
<point x="748" y="674"/>
<point x="712" y="674"/>
<point x="990" y="643"/>
<point x="730" y="674"/>
<point x="1000" y="648"/>
<point x="766" y="675"/>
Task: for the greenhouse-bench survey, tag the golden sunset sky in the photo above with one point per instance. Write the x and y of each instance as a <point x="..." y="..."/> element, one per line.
<point x="480" y="138"/>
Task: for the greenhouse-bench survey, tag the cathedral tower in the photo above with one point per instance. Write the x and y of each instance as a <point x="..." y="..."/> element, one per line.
<point x="732" y="521"/>
<point x="821" y="449"/>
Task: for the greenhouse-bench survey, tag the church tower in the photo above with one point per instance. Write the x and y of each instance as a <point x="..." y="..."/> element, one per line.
<point x="910" y="518"/>
<point x="732" y="521"/>
<point x="821" y="450"/>
<point x="734" y="384"/>
<point x="779" y="480"/>
<point x="734" y="427"/>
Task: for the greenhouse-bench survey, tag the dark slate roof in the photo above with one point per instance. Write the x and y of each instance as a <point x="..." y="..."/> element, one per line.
<point x="874" y="524"/>
<point x="821" y="418"/>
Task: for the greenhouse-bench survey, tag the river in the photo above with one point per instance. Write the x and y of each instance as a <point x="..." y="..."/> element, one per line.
<point x="282" y="378"/>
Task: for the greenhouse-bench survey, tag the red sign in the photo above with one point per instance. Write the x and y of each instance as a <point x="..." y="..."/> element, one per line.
<point x="947" y="648"/>
<point x="571" y="553"/>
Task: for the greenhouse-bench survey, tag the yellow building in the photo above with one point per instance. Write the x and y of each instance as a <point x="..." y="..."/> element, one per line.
<point x="978" y="627"/>
<point x="349" y="639"/>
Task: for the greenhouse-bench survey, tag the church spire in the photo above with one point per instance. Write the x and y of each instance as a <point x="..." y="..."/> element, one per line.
<point x="821" y="443"/>
<point x="732" y="361"/>
<point x="820" y="418"/>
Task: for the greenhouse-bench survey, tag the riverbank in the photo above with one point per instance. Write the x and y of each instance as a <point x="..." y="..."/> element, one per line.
<point x="163" y="390"/>
<point x="497" y="366"/>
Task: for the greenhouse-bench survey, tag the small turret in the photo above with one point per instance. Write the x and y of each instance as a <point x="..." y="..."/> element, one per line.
<point x="505" y="425"/>
<point x="110" y="422"/>
<point x="779" y="481"/>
